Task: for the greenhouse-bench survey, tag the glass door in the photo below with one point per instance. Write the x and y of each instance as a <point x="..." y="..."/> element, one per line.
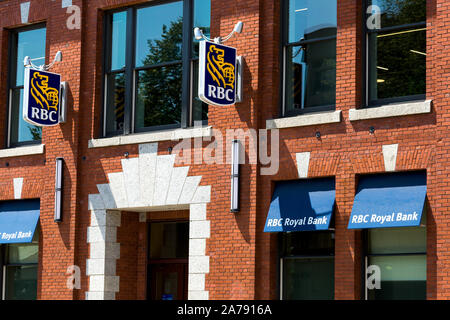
<point x="168" y="260"/>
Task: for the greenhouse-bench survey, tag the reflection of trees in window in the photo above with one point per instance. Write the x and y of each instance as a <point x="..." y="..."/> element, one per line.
<point x="36" y="132"/>
<point x="313" y="78"/>
<point x="397" y="51"/>
<point x="400" y="12"/>
<point x="119" y="101"/>
<point x="403" y="64"/>
<point x="159" y="86"/>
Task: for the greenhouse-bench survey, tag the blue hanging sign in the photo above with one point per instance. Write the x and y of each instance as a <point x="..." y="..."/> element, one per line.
<point x="217" y="74"/>
<point x="41" y="97"/>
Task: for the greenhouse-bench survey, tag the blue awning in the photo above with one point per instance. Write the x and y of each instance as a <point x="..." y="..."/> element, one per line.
<point x="389" y="200"/>
<point x="18" y="220"/>
<point x="301" y="205"/>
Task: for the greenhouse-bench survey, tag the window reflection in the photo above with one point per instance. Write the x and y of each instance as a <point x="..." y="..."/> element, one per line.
<point x="309" y="19"/>
<point x="398" y="64"/>
<point x="310" y="56"/>
<point x="397" y="52"/>
<point x="400" y="12"/>
<point x="26" y="43"/>
<point x="158" y="100"/>
<point x="159" y="34"/>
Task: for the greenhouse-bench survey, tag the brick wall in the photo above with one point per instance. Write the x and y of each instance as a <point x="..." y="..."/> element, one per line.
<point x="243" y="259"/>
<point x="58" y="240"/>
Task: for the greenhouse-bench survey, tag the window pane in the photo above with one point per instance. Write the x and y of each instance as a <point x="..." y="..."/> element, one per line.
<point x="199" y="108"/>
<point x="397" y="240"/>
<point x="309" y="19"/>
<point x="22" y="253"/>
<point x="115" y="102"/>
<point x="308" y="243"/>
<point x="21" y="131"/>
<point x="169" y="240"/>
<point x="400" y="12"/>
<point x="311" y="278"/>
<point x="310" y="75"/>
<point x="118" y="40"/>
<point x="202" y="19"/>
<point x="29" y="43"/>
<point x="21" y="282"/>
<point x="397" y="64"/>
<point x="158" y="100"/>
<point x="402" y="277"/>
<point x="159" y="33"/>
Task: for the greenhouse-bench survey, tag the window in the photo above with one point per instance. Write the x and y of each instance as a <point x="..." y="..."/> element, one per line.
<point x="309" y="55"/>
<point x="168" y="240"/>
<point x="307" y="265"/>
<point x="150" y="66"/>
<point x="396" y="50"/>
<point x="19" y="264"/>
<point x="23" y="42"/>
<point x="168" y="260"/>
<point x="400" y="254"/>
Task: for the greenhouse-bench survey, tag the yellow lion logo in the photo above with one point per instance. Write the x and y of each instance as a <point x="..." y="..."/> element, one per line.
<point x="222" y="72"/>
<point x="46" y="97"/>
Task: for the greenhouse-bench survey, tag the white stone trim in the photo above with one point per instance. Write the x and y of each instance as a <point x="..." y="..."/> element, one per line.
<point x="199" y="229"/>
<point x="198" y="212"/>
<point x="22" y="151"/>
<point x="189" y="188"/>
<point x="18" y="184"/>
<point x="66" y="3"/>
<point x="100" y="295"/>
<point x="198" y="295"/>
<point x="24" y="12"/>
<point x="164" y="168"/>
<point x="147" y="183"/>
<point x="305" y="120"/>
<point x="198" y="264"/>
<point x="390" y="156"/>
<point x="197" y="247"/>
<point x="165" y="135"/>
<point x="104" y="283"/>
<point x="303" y="163"/>
<point x="100" y="267"/>
<point x="103" y="249"/>
<point x="131" y="181"/>
<point x="147" y="163"/>
<point x="391" y="110"/>
<point x="196" y="281"/>
<point x="101" y="234"/>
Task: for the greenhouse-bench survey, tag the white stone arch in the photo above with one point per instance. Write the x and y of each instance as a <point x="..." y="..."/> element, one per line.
<point x="148" y="182"/>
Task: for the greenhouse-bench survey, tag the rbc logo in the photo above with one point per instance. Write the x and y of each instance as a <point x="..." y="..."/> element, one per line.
<point x="41" y="99"/>
<point x="217" y="74"/>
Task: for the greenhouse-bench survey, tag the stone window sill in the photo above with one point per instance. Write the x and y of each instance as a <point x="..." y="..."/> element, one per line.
<point x="391" y="110"/>
<point x="166" y="135"/>
<point x="22" y="151"/>
<point x="305" y="120"/>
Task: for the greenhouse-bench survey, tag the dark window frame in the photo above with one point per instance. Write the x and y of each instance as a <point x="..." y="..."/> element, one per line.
<point x="281" y="256"/>
<point x="284" y="45"/>
<point x="367" y="102"/>
<point x="131" y="71"/>
<point x="11" y="81"/>
<point x="366" y="255"/>
<point x="4" y="264"/>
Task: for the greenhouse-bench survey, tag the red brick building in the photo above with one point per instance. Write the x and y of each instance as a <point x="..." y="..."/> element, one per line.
<point x="142" y="220"/>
